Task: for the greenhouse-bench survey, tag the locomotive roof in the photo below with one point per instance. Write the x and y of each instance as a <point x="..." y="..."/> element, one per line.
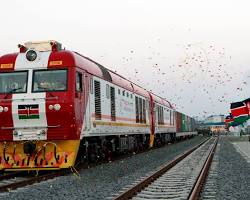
<point x="70" y="59"/>
<point x="161" y="100"/>
<point x="123" y="82"/>
<point x="115" y="78"/>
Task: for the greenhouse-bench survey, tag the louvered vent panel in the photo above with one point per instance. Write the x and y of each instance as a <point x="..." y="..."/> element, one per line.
<point x="112" y="100"/>
<point x="140" y="109"/>
<point x="137" y="109"/>
<point x="144" y="112"/>
<point x="98" y="110"/>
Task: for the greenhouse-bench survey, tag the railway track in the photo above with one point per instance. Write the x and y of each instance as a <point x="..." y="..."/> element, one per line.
<point x="9" y="175"/>
<point x="13" y="180"/>
<point x="182" y="178"/>
<point x="16" y="180"/>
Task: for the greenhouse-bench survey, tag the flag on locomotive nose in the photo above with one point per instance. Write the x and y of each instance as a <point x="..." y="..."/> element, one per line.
<point x="239" y="112"/>
<point x="28" y="111"/>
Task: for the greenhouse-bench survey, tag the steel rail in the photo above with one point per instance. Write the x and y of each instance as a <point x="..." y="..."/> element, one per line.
<point x="30" y="180"/>
<point x="10" y="175"/>
<point x="196" y="190"/>
<point x="144" y="183"/>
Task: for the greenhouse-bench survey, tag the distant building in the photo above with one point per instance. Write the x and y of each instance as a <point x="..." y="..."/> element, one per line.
<point x="215" y="123"/>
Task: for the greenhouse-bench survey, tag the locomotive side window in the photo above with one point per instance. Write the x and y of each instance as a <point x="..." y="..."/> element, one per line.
<point x="78" y="82"/>
<point x="147" y="105"/>
<point x="98" y="111"/>
<point x="172" y="113"/>
<point x="160" y="115"/>
<point x="107" y="91"/>
<point x="91" y="85"/>
<point x="170" y="117"/>
<point x="13" y="82"/>
<point x="173" y="118"/>
<point x="49" y="80"/>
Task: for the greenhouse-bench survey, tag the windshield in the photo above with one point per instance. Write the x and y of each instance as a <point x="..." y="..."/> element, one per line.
<point x="13" y="82"/>
<point x="49" y="80"/>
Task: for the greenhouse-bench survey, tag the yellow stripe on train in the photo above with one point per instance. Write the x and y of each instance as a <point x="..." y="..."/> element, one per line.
<point x="102" y="123"/>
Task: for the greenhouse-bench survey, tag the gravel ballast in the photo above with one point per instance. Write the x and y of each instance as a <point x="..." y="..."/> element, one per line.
<point x="103" y="181"/>
<point x="229" y="177"/>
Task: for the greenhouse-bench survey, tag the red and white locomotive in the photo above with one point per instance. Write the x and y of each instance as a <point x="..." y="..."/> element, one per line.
<point x="57" y="105"/>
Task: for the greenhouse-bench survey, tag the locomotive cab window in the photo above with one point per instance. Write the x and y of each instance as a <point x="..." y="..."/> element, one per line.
<point x="13" y="82"/>
<point x="78" y="82"/>
<point x="49" y="80"/>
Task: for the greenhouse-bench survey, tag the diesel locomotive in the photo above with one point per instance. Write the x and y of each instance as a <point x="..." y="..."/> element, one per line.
<point x="57" y="106"/>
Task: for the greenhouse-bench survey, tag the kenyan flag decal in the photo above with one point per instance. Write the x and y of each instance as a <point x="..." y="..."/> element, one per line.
<point x="28" y="111"/>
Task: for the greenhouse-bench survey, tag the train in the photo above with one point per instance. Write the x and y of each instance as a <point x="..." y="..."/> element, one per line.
<point x="58" y="106"/>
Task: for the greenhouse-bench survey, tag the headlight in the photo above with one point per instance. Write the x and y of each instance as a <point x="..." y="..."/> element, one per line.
<point x="57" y="107"/>
<point x="5" y="109"/>
<point x="31" y="55"/>
<point x="1" y="109"/>
<point x="51" y="107"/>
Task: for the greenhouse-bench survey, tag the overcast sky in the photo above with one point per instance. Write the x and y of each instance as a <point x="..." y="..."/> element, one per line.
<point x="194" y="53"/>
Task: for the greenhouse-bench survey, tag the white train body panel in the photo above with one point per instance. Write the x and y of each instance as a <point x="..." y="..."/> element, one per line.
<point x="125" y="122"/>
<point x="169" y="121"/>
